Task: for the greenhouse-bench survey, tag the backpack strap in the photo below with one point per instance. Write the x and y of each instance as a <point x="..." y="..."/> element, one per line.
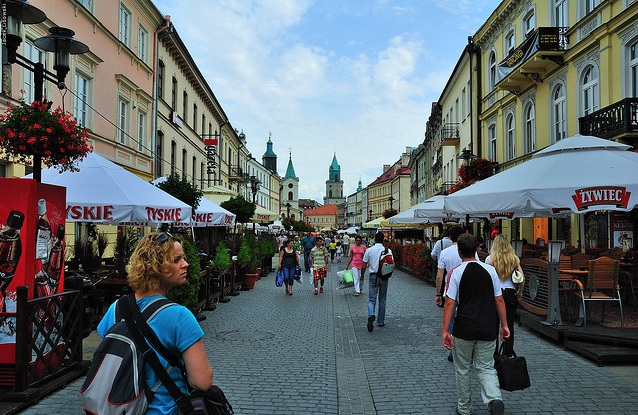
<point x="137" y="326"/>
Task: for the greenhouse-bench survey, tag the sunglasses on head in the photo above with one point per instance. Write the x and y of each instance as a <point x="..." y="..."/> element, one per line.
<point x="163" y="237"/>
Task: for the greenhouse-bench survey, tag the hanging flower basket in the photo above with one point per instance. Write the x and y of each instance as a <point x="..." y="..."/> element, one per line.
<point x="28" y="130"/>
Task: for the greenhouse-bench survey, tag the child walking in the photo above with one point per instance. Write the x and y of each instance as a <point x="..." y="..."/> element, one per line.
<point x="339" y="252"/>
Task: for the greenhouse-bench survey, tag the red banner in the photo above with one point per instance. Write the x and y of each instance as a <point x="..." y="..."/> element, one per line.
<point x="601" y="195"/>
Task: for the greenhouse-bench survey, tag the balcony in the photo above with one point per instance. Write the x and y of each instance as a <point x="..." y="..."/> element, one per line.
<point x="237" y="174"/>
<point x="619" y="120"/>
<point x="540" y="54"/>
<point x="450" y="134"/>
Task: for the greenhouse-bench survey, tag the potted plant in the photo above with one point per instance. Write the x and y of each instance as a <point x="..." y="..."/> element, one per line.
<point x="246" y="263"/>
<point x="221" y="260"/>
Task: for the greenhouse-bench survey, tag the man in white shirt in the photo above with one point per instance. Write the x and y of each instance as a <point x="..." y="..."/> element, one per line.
<point x="377" y="285"/>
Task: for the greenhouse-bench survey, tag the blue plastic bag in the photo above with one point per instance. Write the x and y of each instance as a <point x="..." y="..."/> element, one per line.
<point x="279" y="281"/>
<point x="297" y="273"/>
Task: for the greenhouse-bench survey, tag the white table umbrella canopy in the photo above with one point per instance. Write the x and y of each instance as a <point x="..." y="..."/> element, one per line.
<point x="578" y="174"/>
<point x="103" y="192"/>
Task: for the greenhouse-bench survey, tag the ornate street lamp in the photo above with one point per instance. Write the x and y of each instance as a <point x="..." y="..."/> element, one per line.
<point x="60" y="41"/>
<point x="254" y="187"/>
<point x="391" y="200"/>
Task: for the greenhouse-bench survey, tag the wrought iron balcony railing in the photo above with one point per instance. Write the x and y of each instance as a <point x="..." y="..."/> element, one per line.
<point x="618" y="118"/>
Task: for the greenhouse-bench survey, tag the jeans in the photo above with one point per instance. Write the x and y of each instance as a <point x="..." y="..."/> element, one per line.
<point x="289" y="275"/>
<point x="382" y="290"/>
<point x="480" y="354"/>
<point x="306" y="260"/>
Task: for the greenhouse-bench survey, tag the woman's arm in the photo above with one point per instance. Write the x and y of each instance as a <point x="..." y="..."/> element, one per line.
<point x="198" y="370"/>
<point x="281" y="256"/>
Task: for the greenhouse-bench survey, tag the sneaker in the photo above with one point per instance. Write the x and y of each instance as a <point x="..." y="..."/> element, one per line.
<point x="370" y="323"/>
<point x="321" y="290"/>
<point x="497" y="407"/>
<point x="450" y="358"/>
<point x="381" y="325"/>
<point x="316" y="291"/>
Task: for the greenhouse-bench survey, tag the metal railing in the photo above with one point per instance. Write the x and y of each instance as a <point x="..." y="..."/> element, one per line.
<point x="620" y="117"/>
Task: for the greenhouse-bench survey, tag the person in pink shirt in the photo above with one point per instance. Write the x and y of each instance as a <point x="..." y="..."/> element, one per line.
<point x="356" y="260"/>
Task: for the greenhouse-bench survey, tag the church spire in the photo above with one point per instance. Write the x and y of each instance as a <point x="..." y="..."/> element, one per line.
<point x="290" y="170"/>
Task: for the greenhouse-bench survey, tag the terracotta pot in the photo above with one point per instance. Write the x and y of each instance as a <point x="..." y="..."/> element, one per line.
<point x="258" y="270"/>
<point x="249" y="281"/>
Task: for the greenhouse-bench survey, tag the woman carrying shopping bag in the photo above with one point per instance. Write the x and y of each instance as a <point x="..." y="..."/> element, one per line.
<point x="356" y="260"/>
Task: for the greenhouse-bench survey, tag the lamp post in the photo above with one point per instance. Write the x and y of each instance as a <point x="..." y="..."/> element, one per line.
<point x="60" y="41"/>
<point x="288" y="205"/>
<point x="554" y="249"/>
<point x="369" y="215"/>
<point x="254" y="187"/>
<point x="391" y="200"/>
<point x="466" y="155"/>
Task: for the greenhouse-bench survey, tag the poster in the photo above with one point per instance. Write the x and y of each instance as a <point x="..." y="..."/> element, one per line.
<point x="622" y="231"/>
<point x="32" y="221"/>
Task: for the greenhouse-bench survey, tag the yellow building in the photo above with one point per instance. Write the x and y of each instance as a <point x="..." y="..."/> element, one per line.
<point x="550" y="70"/>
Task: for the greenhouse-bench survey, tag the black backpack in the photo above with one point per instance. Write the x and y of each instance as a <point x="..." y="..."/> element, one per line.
<point x="115" y="383"/>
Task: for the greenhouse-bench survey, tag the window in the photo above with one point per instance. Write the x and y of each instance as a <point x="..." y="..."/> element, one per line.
<point x="174" y="94"/>
<point x="589" y="88"/>
<point x="184" y="158"/>
<point x="141" y="131"/>
<point x="159" y="156"/>
<point x="510" y="138"/>
<point x="559" y="113"/>
<point x="529" y="23"/>
<point x="589" y="6"/>
<point x="510" y="42"/>
<point x="173" y="155"/>
<point x="193" y="170"/>
<point x="122" y="121"/>
<point x="185" y="106"/>
<point x="35" y="55"/>
<point x="290" y="196"/>
<point x="530" y="129"/>
<point x="464" y="103"/>
<point x="491" y="139"/>
<point x="492" y="70"/>
<point x="142" y="44"/>
<point x="195" y="118"/>
<point x="633" y="70"/>
<point x="125" y="25"/>
<point x="88" y="4"/>
<point x="203" y="124"/>
<point x="161" y="72"/>
<point x="560" y="13"/>
<point x="81" y="85"/>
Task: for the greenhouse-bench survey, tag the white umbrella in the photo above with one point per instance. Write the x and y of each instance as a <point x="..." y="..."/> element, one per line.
<point x="430" y="211"/>
<point x="208" y="213"/>
<point x="103" y="192"/>
<point x="578" y="174"/>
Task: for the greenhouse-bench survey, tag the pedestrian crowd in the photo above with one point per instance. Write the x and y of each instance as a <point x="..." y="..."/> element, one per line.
<point x="478" y="298"/>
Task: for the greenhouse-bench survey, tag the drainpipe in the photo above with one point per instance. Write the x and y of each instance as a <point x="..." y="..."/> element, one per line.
<point x="162" y="31"/>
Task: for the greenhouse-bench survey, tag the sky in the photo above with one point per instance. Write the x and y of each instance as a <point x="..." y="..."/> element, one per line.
<point x="351" y="78"/>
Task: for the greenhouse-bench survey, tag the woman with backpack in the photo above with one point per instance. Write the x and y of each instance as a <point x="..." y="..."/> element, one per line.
<point x="156" y="265"/>
<point x="503" y="258"/>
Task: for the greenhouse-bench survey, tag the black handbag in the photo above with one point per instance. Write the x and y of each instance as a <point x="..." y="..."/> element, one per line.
<point x="208" y="402"/>
<point x="512" y="371"/>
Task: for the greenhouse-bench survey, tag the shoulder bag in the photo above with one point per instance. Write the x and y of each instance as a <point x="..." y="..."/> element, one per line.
<point x="512" y="371"/>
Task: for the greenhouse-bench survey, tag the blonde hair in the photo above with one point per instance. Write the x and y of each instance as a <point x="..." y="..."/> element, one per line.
<point x="503" y="257"/>
<point x="150" y="261"/>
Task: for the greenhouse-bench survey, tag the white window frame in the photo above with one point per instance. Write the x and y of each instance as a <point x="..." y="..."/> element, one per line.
<point x="81" y="99"/>
<point x="491" y="70"/>
<point x="124" y="24"/>
<point x="530" y="128"/>
<point x="588" y="6"/>
<point x="561" y="13"/>
<point x="491" y="139"/>
<point x="510" y="137"/>
<point x="34" y="54"/>
<point x="142" y="123"/>
<point x="142" y="43"/>
<point x="529" y="22"/>
<point x="122" y="129"/>
<point x="510" y="41"/>
<point x="632" y="69"/>
<point x="88" y="4"/>
<point x="590" y="90"/>
<point x="559" y="113"/>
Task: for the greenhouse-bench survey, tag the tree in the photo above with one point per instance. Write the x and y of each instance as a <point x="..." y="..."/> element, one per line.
<point x="243" y="209"/>
<point x="180" y="188"/>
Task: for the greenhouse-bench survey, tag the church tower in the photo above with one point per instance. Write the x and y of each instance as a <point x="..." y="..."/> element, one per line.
<point x="290" y="191"/>
<point x="334" y="184"/>
<point x="269" y="159"/>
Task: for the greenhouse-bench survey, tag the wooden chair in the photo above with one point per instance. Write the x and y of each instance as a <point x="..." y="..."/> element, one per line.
<point x="613" y="253"/>
<point x="580" y="260"/>
<point x="601" y="285"/>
